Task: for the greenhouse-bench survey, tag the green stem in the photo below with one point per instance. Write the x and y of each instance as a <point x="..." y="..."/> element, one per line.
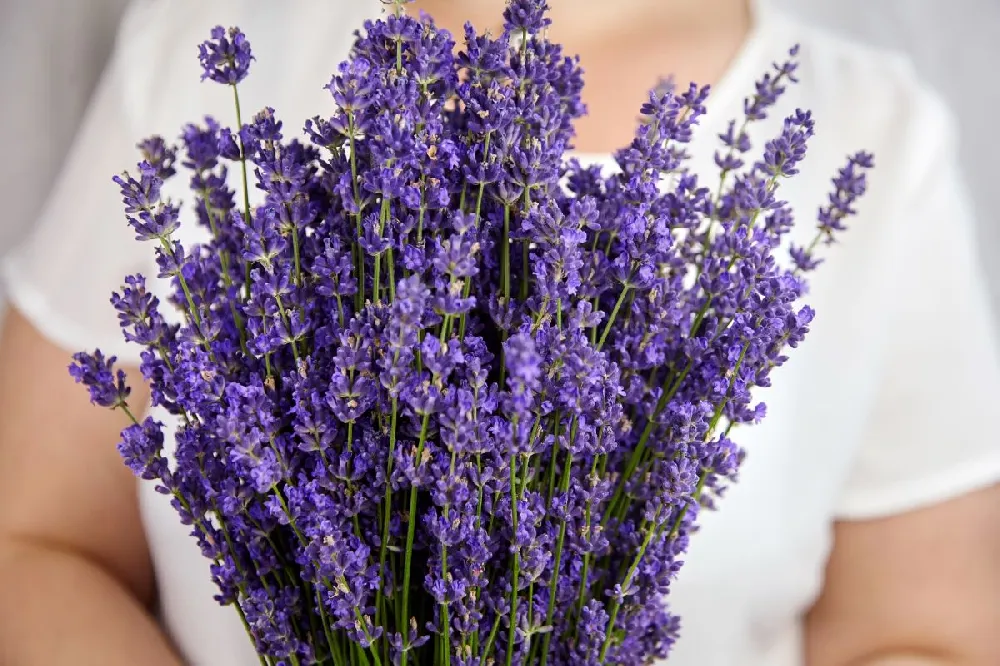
<point x="246" y="187"/>
<point x="377" y="276"/>
<point x="505" y="255"/>
<point x="411" y="528"/>
<point x="525" y="275"/>
<point x="586" y="556"/>
<point x="246" y="625"/>
<point x="616" y="605"/>
<point x="288" y="324"/>
<point x="445" y="621"/>
<point x="524" y="271"/>
<point x="295" y="253"/>
<point x="564" y="487"/>
<point x="227" y="279"/>
<point x="361" y="624"/>
<point x="445" y="326"/>
<point x="613" y="316"/>
<point x="479" y="205"/>
<point x="392" y="274"/>
<point x="124" y="407"/>
<point x="489" y="642"/>
<point x="330" y="640"/>
<point x="360" y="294"/>
<point x="514" y="596"/>
<point x="386" y="511"/>
<point x="359" y="658"/>
<point x="553" y="463"/>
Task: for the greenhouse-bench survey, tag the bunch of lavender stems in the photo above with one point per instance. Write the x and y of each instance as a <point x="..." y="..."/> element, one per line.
<point x="446" y="396"/>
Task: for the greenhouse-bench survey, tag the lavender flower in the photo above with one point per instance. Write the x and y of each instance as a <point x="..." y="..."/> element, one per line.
<point x="225" y="58"/>
<point x="106" y="384"/>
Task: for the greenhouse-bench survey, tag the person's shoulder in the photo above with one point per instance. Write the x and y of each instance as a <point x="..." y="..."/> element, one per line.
<point x="867" y="97"/>
<point x="870" y="95"/>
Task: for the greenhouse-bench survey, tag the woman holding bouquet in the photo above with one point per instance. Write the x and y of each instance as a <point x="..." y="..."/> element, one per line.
<point x="865" y="529"/>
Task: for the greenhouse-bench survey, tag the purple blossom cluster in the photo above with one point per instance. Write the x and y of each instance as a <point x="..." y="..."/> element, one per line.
<point x="447" y="397"/>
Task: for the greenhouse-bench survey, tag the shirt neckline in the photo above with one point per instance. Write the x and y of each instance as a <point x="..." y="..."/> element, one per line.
<point x="735" y="82"/>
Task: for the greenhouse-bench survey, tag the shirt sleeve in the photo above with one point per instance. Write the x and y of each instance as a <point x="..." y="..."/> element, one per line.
<point x="62" y="275"/>
<point x="929" y="435"/>
<point x="52" y="82"/>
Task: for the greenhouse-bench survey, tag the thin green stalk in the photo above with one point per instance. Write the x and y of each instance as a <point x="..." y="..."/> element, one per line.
<point x="391" y="263"/>
<point x="184" y="286"/>
<point x="246" y="625"/>
<point x="330" y="640"/>
<point x="350" y="446"/>
<point x="515" y="501"/>
<point x="479" y="205"/>
<point x="420" y="215"/>
<point x="340" y="310"/>
<point x="479" y="514"/>
<point x="525" y="275"/>
<point x="124" y="407"/>
<point x="616" y="605"/>
<point x="524" y="271"/>
<point x="246" y="187"/>
<point x="445" y="620"/>
<point x="295" y="254"/>
<point x="288" y="324"/>
<point x="505" y="255"/>
<point x="377" y="276"/>
<point x="360" y="294"/>
<point x="550" y="613"/>
<point x="586" y="556"/>
<point x="411" y="528"/>
<point x="359" y="657"/>
<point x="445" y="326"/>
<point x="553" y="463"/>
<point x="227" y="279"/>
<point x="505" y="279"/>
<point x="613" y="316"/>
<point x="361" y="623"/>
<point x="386" y="509"/>
<point x="489" y="642"/>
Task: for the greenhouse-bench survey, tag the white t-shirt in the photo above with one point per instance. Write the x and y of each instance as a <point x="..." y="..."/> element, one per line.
<point x="878" y="412"/>
<point x="52" y="54"/>
<point x="953" y="44"/>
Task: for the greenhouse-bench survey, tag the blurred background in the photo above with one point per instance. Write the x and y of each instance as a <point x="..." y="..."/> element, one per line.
<point x="52" y="53"/>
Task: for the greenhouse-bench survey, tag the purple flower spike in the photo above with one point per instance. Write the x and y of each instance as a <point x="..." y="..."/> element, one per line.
<point x="106" y="384"/>
<point x="225" y="58"/>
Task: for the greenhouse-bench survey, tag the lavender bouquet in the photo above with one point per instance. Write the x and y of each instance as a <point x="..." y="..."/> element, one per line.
<point x="447" y="397"/>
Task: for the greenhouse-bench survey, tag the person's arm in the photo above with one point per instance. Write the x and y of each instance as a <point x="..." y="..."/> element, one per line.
<point x="913" y="578"/>
<point x="75" y="574"/>
<point x="917" y="589"/>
